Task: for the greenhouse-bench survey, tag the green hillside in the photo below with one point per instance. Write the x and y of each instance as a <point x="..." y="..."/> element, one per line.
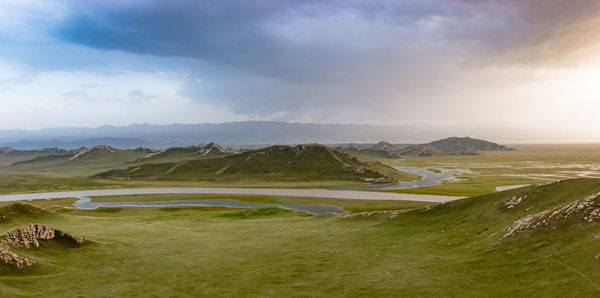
<point x="538" y="241"/>
<point x="9" y="156"/>
<point x="84" y="160"/>
<point x="276" y="163"/>
<point x="177" y="154"/>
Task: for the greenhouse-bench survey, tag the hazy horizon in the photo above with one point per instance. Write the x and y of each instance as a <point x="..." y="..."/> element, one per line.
<point x="256" y="132"/>
<point x="511" y="71"/>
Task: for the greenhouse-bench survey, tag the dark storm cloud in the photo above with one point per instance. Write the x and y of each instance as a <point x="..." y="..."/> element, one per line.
<point x="223" y="32"/>
<point x="305" y="57"/>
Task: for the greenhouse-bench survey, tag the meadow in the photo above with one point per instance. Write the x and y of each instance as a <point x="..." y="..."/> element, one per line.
<point x="453" y="249"/>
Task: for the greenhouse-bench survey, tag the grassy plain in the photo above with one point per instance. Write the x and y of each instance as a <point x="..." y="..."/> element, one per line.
<point x="453" y="249"/>
<point x="13" y="183"/>
<point x="528" y="164"/>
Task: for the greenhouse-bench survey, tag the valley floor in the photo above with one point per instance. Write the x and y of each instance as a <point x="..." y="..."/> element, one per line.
<point x="454" y="250"/>
<point x="382" y="248"/>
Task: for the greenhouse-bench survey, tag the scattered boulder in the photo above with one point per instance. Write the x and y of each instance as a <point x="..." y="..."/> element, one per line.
<point x="390" y="214"/>
<point x="514" y="201"/>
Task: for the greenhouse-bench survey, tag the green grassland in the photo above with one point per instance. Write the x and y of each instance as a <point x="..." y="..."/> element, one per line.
<point x="453" y="249"/>
<point x="31" y="183"/>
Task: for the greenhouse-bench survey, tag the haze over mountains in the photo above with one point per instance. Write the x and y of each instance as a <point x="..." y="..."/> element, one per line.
<point x="231" y="133"/>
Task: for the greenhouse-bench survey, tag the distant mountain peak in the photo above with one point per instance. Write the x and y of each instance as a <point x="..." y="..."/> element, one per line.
<point x="384" y="146"/>
<point x="453" y="146"/>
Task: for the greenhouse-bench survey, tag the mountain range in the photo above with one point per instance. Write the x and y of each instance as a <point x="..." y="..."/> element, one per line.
<point x="247" y="133"/>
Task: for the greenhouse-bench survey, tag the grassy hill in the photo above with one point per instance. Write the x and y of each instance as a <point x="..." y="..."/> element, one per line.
<point x="275" y="163"/>
<point x="84" y="160"/>
<point x="463" y="248"/>
<point x="9" y="156"/>
<point x="451" y="146"/>
<point x="177" y="154"/>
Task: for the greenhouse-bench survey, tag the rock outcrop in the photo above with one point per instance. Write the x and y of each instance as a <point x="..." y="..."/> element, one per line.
<point x="12" y="259"/>
<point x="29" y="236"/>
<point x="587" y="209"/>
<point x="514" y="201"/>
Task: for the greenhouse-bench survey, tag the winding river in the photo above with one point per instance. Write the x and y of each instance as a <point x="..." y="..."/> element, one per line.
<point x="86" y="203"/>
<point x="289" y="192"/>
<point x="428" y="178"/>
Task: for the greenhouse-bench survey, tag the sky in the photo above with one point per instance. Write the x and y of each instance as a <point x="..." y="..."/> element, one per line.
<point x="515" y="65"/>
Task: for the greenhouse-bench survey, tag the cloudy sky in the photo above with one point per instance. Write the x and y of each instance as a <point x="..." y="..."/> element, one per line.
<point x="492" y="64"/>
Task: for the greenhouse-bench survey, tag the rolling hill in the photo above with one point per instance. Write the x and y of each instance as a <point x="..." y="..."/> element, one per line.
<point x="96" y="158"/>
<point x="452" y="146"/>
<point x="275" y="163"/>
<point x="9" y="155"/>
<point x="176" y="154"/>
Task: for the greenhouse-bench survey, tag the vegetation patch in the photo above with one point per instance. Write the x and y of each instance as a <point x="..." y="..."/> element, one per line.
<point x="15" y="210"/>
<point x="258" y="212"/>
